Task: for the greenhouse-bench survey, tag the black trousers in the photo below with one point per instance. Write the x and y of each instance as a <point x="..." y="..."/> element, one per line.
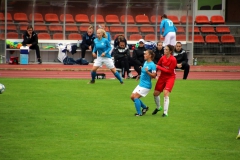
<point x="83" y="48"/>
<point x="135" y="66"/>
<point x="36" y="47"/>
<point x="186" y="69"/>
<point x="123" y="64"/>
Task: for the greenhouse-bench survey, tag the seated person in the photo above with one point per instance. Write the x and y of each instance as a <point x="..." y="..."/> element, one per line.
<point x="121" y="54"/>
<point x="182" y="59"/>
<point x="118" y="39"/>
<point x="159" y="52"/>
<point x="87" y="41"/>
<point x="138" y="57"/>
<point x="30" y="39"/>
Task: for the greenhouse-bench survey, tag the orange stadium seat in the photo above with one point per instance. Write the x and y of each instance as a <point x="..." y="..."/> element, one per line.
<point x="181" y="37"/>
<point x="135" y="37"/>
<point x="44" y="36"/>
<point x="68" y="18"/>
<point x="180" y="29"/>
<point x="202" y="19"/>
<point x="58" y="36"/>
<point x="143" y="19"/>
<point x="55" y="27"/>
<point x="222" y="30"/>
<point x="132" y="29"/>
<point x="112" y="18"/>
<point x="2" y="36"/>
<point x="212" y="38"/>
<point x="198" y="39"/>
<point x="51" y="18"/>
<point x="20" y="17"/>
<point x="153" y="19"/>
<point x="9" y="17"/>
<point x="40" y="27"/>
<point x="207" y="29"/>
<point x="174" y="19"/>
<point x="74" y="36"/>
<point x="227" y="39"/>
<point x="149" y="37"/>
<point x="84" y="27"/>
<point x="23" y="26"/>
<point x="71" y="28"/>
<point x="146" y="29"/>
<point x="12" y="35"/>
<point x="183" y="19"/>
<point x="99" y="18"/>
<point x="115" y="29"/>
<point x="217" y="19"/>
<point x="195" y="29"/>
<point x="9" y="27"/>
<point x="130" y="19"/>
<point x="81" y="18"/>
<point x="37" y="17"/>
<point x="2" y="18"/>
<point x="198" y="43"/>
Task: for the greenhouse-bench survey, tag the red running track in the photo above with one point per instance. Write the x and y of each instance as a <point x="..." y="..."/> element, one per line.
<point x="209" y="75"/>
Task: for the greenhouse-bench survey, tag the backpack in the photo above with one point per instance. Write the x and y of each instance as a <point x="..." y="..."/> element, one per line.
<point x="69" y="61"/>
<point x="82" y="61"/>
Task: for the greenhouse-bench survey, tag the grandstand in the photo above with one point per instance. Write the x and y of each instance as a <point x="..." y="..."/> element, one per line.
<point x="202" y="28"/>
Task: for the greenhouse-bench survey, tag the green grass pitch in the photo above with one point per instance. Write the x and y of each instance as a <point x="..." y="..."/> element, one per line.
<point x="46" y="119"/>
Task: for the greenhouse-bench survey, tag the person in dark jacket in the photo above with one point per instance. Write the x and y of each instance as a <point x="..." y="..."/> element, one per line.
<point x="182" y="59"/>
<point x="87" y="41"/>
<point x="121" y="55"/>
<point x="30" y="39"/>
<point x="159" y="52"/>
<point x="118" y="39"/>
<point x="138" y="57"/>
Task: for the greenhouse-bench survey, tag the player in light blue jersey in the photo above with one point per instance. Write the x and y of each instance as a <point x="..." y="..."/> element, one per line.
<point x="169" y="31"/>
<point x="103" y="26"/>
<point x="148" y="71"/>
<point x="102" y="47"/>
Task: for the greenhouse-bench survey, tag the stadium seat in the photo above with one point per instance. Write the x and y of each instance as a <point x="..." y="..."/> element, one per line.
<point x="74" y="36"/>
<point x="212" y="43"/>
<point x="149" y="37"/>
<point x="206" y="7"/>
<point x="180" y="29"/>
<point x="227" y="39"/>
<point x="68" y="18"/>
<point x="20" y="17"/>
<point x="81" y="18"/>
<point x="23" y="26"/>
<point x="2" y="36"/>
<point x="222" y="30"/>
<point x="217" y="19"/>
<point x="198" y="39"/>
<point x="183" y="19"/>
<point x="84" y="27"/>
<point x="174" y="19"/>
<point x="153" y="19"/>
<point x="142" y="19"/>
<point x="195" y="29"/>
<point x="58" y="36"/>
<point x="10" y="27"/>
<point x="55" y="27"/>
<point x="99" y="18"/>
<point x="12" y="35"/>
<point x="135" y="37"/>
<point x="132" y="29"/>
<point x="2" y="18"/>
<point x="212" y="38"/>
<point x="147" y="29"/>
<point x="37" y="17"/>
<point x="130" y="19"/>
<point x="181" y="37"/>
<point x="207" y="29"/>
<point x="198" y="43"/>
<point x="118" y="29"/>
<point x="71" y="28"/>
<point x="112" y="19"/>
<point x="51" y="18"/>
<point x="40" y="27"/>
<point x="44" y="36"/>
<point x="202" y="19"/>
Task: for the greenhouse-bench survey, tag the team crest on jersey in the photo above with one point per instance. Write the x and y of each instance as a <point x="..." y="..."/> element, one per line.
<point x="102" y="43"/>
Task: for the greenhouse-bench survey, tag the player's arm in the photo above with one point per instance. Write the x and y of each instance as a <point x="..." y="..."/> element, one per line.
<point x="152" y="74"/>
<point x="108" y="47"/>
<point x="161" y="26"/>
<point x="171" y="67"/>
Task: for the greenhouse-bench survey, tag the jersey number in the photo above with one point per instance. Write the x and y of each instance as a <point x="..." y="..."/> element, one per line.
<point x="170" y="23"/>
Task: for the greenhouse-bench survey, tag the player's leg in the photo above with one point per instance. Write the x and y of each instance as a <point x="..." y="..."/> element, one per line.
<point x="96" y="65"/>
<point x="167" y="39"/>
<point x="156" y="94"/>
<point x="109" y="63"/>
<point x="172" y="38"/>
<point x="238" y="136"/>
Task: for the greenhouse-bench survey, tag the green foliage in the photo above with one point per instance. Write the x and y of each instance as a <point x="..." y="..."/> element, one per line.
<point x="68" y="119"/>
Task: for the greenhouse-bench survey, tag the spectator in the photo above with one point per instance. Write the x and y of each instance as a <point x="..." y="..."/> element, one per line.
<point x="138" y="57"/>
<point x="121" y="55"/>
<point x="87" y="41"/>
<point x="159" y="52"/>
<point x="30" y="39"/>
<point x="182" y="59"/>
<point x="118" y="39"/>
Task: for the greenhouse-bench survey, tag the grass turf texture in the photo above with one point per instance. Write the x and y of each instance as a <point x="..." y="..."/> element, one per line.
<point x="68" y="119"/>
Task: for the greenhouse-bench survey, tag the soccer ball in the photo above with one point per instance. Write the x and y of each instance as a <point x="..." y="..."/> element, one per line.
<point x="2" y="88"/>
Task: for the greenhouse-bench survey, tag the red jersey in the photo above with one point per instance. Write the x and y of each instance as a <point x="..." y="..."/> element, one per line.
<point x="167" y="66"/>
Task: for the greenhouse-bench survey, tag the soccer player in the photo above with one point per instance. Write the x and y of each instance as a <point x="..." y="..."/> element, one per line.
<point x="169" y="31"/>
<point x="148" y="71"/>
<point x="166" y="79"/>
<point x="238" y="136"/>
<point x="102" y="47"/>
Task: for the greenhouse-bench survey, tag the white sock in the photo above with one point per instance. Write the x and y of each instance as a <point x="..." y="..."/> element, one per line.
<point x="239" y="131"/>
<point x="166" y="104"/>
<point x="157" y="101"/>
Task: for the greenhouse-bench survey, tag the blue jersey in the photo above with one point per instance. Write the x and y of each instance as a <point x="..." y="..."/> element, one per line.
<point x="108" y="37"/>
<point x="145" y="79"/>
<point x="102" y="46"/>
<point x="168" y="26"/>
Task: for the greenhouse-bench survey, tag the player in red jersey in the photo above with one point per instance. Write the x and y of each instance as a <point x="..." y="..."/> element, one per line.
<point x="165" y="83"/>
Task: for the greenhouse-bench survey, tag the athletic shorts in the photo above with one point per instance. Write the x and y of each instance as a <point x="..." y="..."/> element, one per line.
<point x="104" y="60"/>
<point x="142" y="91"/>
<point x="165" y="84"/>
<point x="170" y="38"/>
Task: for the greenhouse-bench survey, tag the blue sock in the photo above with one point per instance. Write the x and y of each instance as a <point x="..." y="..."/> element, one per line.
<point x="137" y="105"/>
<point x="142" y="104"/>
<point x="93" y="74"/>
<point x="117" y="75"/>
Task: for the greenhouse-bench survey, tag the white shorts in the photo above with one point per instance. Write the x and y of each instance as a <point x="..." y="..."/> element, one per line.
<point x="104" y="60"/>
<point x="170" y="38"/>
<point x="142" y="91"/>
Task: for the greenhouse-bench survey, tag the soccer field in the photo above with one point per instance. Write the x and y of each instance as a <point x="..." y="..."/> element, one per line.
<point x="46" y="119"/>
